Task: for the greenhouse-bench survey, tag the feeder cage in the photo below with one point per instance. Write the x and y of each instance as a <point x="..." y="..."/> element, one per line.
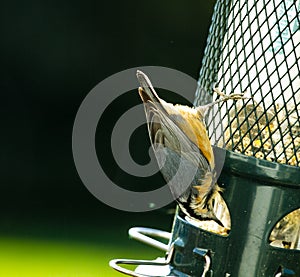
<point x="253" y="47"/>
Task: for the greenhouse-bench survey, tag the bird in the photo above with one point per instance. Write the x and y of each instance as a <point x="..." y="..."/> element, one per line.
<point x="179" y="138"/>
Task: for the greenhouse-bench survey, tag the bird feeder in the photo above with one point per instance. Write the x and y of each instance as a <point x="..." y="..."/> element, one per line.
<point x="252" y="47"/>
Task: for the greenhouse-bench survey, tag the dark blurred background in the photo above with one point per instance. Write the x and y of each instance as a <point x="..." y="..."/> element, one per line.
<point x="52" y="54"/>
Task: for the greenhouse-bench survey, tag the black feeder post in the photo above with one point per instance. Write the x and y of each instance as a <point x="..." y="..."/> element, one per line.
<point x="253" y="47"/>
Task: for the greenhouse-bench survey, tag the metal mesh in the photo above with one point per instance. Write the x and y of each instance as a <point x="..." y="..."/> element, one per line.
<point x="254" y="47"/>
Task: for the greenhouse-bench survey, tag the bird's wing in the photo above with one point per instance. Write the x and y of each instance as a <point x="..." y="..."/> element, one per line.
<point x="180" y="160"/>
<point x="177" y="147"/>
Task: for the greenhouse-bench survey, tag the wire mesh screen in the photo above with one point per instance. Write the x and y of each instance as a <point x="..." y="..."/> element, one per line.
<point x="254" y="47"/>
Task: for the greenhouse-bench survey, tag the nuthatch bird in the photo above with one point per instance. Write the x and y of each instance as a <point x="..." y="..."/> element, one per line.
<point x="179" y="132"/>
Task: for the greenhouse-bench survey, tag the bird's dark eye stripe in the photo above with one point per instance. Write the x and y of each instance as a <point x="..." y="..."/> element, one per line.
<point x="190" y="212"/>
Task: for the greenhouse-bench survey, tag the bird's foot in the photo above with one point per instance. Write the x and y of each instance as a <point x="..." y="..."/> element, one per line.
<point x="232" y="96"/>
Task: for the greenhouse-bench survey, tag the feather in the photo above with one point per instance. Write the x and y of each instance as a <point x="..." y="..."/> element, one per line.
<point x="182" y="148"/>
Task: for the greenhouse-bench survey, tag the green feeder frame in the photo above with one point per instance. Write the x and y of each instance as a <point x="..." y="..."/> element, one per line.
<point x="253" y="46"/>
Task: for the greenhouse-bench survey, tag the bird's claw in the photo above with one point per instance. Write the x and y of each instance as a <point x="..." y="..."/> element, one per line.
<point x="232" y="96"/>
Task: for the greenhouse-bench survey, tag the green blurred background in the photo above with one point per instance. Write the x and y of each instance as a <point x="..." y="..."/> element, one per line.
<point x="52" y="54"/>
